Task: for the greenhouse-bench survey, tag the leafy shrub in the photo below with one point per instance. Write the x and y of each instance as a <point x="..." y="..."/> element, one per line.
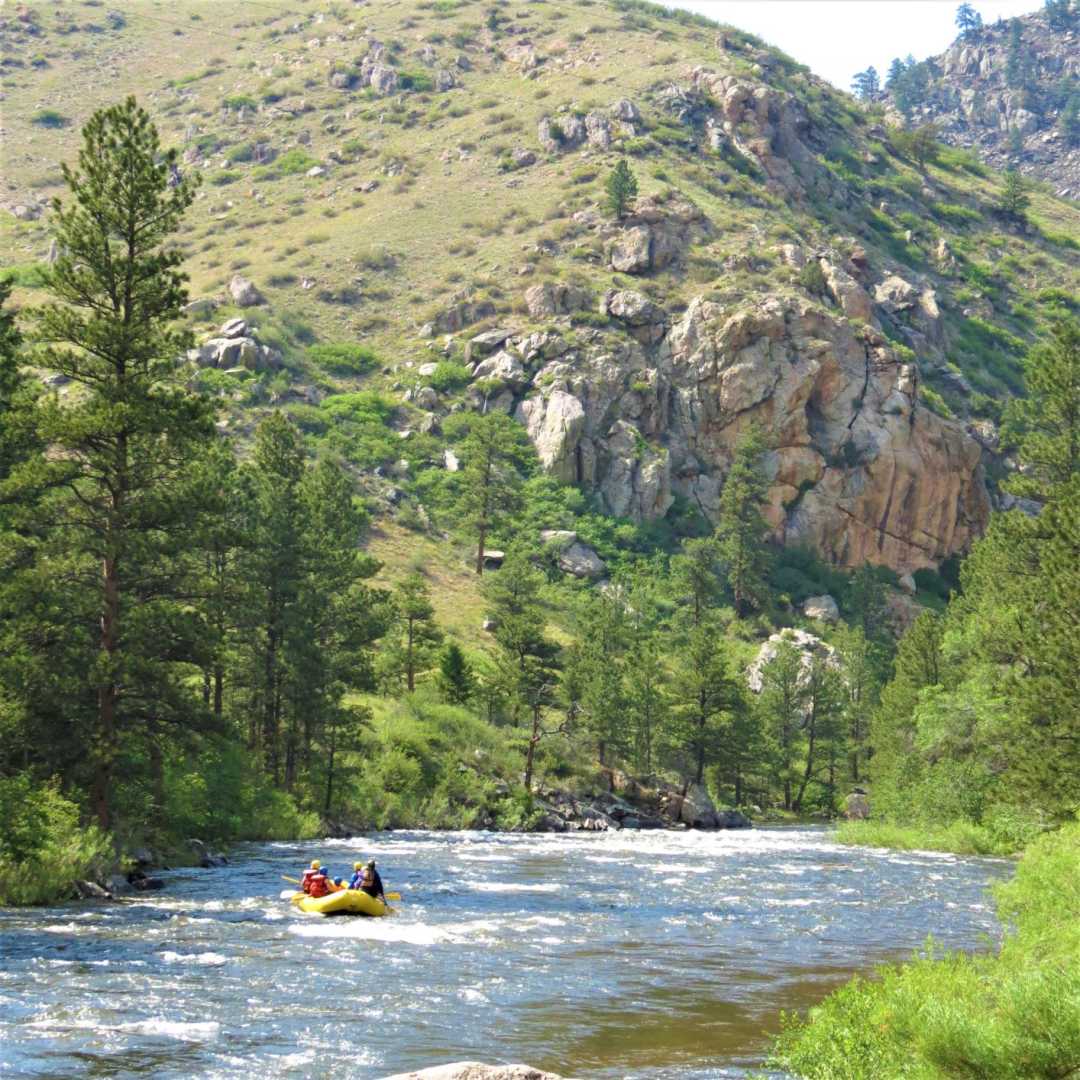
<point x="343" y="358"/>
<point x="812" y="278"/>
<point x="956" y="215"/>
<point x="934" y="402"/>
<point x="294" y="161"/>
<point x="226" y="176"/>
<point x="449" y="375"/>
<point x="43" y="848"/>
<point x="49" y="118"/>
<point x="239" y="101"/>
<point x="420" y="81"/>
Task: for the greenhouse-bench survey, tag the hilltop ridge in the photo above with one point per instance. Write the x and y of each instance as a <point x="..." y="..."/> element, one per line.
<point x="1009" y="91"/>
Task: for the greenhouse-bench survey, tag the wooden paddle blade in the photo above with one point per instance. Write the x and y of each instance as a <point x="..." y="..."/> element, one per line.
<point x="393" y="896"/>
<point x="291" y="880"/>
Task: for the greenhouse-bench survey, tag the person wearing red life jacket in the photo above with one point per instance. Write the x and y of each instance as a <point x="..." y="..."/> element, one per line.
<point x="309" y="876"/>
<point x="323" y="885"/>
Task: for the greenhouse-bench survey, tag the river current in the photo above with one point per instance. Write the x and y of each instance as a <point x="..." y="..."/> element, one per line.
<point x="604" y="955"/>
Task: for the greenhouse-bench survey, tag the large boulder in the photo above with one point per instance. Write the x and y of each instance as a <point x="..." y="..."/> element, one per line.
<point x="555" y="424"/>
<point x="554" y="298"/>
<point x="244" y="293"/>
<point x="474" y="1070"/>
<point x="857" y="806"/>
<point x="574" y="557"/>
<point x="823" y="608"/>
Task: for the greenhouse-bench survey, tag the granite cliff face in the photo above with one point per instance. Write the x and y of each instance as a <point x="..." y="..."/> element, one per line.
<point x="859" y="469"/>
<point x="1004" y="92"/>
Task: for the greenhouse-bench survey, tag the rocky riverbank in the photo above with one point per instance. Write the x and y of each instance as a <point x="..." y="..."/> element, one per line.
<point x="474" y="1070"/>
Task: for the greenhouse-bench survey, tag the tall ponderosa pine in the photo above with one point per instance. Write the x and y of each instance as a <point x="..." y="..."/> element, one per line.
<point x="621" y="188"/>
<point x="121" y="447"/>
<point x="526" y="661"/>
<point x="456" y="679"/>
<point x="782" y="708"/>
<point x="416" y="635"/>
<point x="1014" y="198"/>
<point x="968" y="20"/>
<point x="495" y="456"/>
<point x="705" y="696"/>
<point x="866" y="86"/>
<point x="742" y="529"/>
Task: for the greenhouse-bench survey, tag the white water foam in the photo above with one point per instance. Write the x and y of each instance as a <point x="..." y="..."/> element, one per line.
<point x="511" y="887"/>
<point x="197" y="1031"/>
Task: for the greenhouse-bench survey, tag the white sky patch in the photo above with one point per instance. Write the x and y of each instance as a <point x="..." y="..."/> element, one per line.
<point x="837" y="38"/>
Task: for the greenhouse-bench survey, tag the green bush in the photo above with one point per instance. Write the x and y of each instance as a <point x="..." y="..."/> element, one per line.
<point x="239" y="101"/>
<point x="343" y="358"/>
<point x="43" y="848"/>
<point x="226" y="176"/>
<point x="420" y="81"/>
<point x="449" y="375"/>
<point x="293" y="162"/>
<point x="49" y="118"/>
<point x="1013" y="1015"/>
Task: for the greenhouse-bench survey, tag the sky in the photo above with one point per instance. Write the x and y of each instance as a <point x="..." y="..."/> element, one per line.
<point x="837" y="38"/>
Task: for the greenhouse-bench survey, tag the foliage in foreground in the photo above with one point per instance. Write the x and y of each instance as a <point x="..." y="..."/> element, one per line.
<point x="43" y="848"/>
<point x="1007" y="1016"/>
<point x="1003" y="835"/>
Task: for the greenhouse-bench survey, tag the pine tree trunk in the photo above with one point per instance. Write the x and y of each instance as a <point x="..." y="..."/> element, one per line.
<point x="410" y="674"/>
<point x="480" y="548"/>
<point x="108" y="695"/>
<point x="530" y="754"/>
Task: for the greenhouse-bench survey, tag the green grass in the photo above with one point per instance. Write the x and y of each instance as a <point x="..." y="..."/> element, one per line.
<point x="1009" y="1015"/>
<point x="961" y="837"/>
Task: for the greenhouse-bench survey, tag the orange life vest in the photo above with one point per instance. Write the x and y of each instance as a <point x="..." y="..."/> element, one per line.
<point x="307" y="879"/>
<point x="319" y="886"/>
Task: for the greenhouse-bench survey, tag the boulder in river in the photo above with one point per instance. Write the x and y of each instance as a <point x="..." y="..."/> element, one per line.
<point x="205" y="857"/>
<point x="91" y="890"/>
<point x="475" y="1070"/>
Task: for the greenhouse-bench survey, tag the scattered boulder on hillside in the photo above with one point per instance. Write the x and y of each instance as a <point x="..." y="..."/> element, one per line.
<point x="645" y="320"/>
<point x="235" y="346"/>
<point x="823" y="608"/>
<point x="244" y="293"/>
<point x="657" y="234"/>
<point x="852" y="299"/>
<point x="463" y="312"/>
<point x="484" y="344"/>
<point x="810" y="647"/>
<point x="575" y="557"/>
<point x="553" y="298"/>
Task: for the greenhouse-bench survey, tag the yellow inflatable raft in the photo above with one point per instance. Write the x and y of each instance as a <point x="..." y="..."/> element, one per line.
<point x="345" y="902"/>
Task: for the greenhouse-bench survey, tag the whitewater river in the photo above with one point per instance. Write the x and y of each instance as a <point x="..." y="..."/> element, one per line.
<point x="624" y="954"/>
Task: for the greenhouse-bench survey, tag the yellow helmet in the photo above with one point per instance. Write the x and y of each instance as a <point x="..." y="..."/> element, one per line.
<point x="358" y="866"/>
<point x="315" y="864"/>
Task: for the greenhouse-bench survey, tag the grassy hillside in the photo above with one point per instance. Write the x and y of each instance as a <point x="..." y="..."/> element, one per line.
<point x="423" y="198"/>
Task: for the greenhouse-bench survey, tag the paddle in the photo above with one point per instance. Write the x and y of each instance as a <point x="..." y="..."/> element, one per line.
<point x="296" y="881"/>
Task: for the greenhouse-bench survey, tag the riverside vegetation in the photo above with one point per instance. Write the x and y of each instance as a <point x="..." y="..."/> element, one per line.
<point x="220" y="616"/>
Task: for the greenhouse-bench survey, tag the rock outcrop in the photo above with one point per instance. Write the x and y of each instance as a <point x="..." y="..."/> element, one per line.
<point x="236" y="345"/>
<point x="859" y="470"/>
<point x="1009" y="120"/>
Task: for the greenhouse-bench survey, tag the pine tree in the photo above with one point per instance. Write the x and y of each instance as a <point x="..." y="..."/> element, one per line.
<point x="526" y="661"/>
<point x="781" y="706"/>
<point x="118" y="469"/>
<point x="705" y="693"/>
<point x="822" y="730"/>
<point x="896" y="73"/>
<point x="495" y="456"/>
<point x="593" y="673"/>
<point x="274" y="569"/>
<point x="621" y="187"/>
<point x="1060" y="15"/>
<point x="968" y="20"/>
<point x="696" y="577"/>
<point x="1014" y="57"/>
<point x="1014" y="199"/>
<point x="742" y="529"/>
<point x="1046" y="423"/>
<point x="418" y="637"/>
<point x="866" y="86"/>
<point x="457" y="680"/>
